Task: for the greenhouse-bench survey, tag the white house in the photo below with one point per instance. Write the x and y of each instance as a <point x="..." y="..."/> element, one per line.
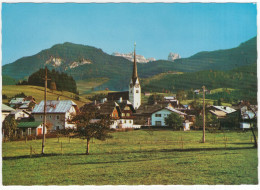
<point x="20" y="114"/>
<point x="59" y="113"/>
<point x="244" y="125"/>
<point x="6" y="110"/>
<point x="157" y="117"/>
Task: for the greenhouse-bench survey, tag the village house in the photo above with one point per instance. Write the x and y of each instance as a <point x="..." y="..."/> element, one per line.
<point x="144" y="112"/>
<point x="158" y="117"/>
<point x="20" y="114"/>
<point x="111" y="109"/>
<point x="31" y="128"/>
<point x="121" y="113"/>
<point x="248" y="114"/>
<point x="26" y="103"/>
<point x="6" y="110"/>
<point x="221" y="111"/>
<point x="58" y="114"/>
<point x="126" y="114"/>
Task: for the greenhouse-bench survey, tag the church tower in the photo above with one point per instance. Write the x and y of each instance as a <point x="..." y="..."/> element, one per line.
<point x="135" y="87"/>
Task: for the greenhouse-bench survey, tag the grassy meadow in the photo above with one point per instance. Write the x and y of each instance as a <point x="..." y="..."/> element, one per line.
<point x="86" y="86"/>
<point x="134" y="158"/>
<point x="38" y="93"/>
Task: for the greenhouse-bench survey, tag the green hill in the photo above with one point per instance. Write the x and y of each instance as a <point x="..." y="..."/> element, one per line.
<point x="86" y="62"/>
<point x="243" y="78"/>
<point x="6" y="80"/>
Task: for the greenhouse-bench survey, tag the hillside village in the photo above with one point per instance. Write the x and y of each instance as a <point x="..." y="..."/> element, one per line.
<point x="126" y="112"/>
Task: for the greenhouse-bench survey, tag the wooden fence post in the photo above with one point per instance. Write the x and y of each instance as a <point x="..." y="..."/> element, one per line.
<point x="61" y="147"/>
<point x="30" y="151"/>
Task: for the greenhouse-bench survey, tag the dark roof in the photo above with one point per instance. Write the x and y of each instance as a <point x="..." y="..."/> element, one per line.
<point x="107" y="107"/>
<point x="116" y="95"/>
<point x="125" y="103"/>
<point x="148" y="109"/>
<point x="89" y="107"/>
<point x="134" y="75"/>
<point x="33" y="124"/>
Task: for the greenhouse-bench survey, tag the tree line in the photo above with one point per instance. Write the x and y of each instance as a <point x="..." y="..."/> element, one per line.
<point x="58" y="80"/>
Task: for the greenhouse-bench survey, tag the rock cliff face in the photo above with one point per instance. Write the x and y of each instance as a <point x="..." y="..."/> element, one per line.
<point x="130" y="57"/>
<point x="173" y="56"/>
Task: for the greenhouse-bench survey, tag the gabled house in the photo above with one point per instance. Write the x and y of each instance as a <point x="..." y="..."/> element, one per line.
<point x="59" y="113"/>
<point x="16" y="102"/>
<point x="221" y="111"/>
<point x="6" y="110"/>
<point x="111" y="109"/>
<point x="20" y="114"/>
<point x="143" y="113"/>
<point x="126" y="114"/>
<point x="158" y="117"/>
<point x="26" y="103"/>
<point x="248" y="116"/>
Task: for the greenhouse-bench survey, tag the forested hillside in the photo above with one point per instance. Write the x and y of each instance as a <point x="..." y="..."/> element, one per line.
<point x="60" y="81"/>
<point x="242" y="78"/>
<point x="6" y="80"/>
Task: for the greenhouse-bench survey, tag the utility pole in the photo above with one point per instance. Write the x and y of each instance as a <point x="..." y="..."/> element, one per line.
<point x="45" y="108"/>
<point x="203" y="137"/>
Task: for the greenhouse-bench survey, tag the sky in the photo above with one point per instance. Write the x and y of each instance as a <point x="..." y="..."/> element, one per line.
<point x="157" y="28"/>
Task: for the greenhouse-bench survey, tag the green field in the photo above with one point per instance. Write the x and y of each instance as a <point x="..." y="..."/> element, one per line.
<point x="38" y="93"/>
<point x="86" y="86"/>
<point x="135" y="158"/>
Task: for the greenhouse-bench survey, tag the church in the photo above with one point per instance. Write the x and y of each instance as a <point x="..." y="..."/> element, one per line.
<point x="134" y="93"/>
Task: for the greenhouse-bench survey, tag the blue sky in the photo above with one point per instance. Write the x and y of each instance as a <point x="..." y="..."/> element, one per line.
<point x="157" y="28"/>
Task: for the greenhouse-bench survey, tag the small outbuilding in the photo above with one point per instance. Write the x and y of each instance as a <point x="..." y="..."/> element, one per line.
<point x="31" y="128"/>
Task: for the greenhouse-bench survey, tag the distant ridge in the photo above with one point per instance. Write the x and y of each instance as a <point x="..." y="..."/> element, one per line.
<point x="85" y="62"/>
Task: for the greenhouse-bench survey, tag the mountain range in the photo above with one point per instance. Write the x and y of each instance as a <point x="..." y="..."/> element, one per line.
<point x="84" y="62"/>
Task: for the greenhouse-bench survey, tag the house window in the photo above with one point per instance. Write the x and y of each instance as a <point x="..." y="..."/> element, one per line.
<point x="29" y="131"/>
<point x="158" y="115"/>
<point x="158" y="123"/>
<point x="137" y="91"/>
<point x="50" y="116"/>
<point x="57" y="127"/>
<point x="127" y="108"/>
<point x="125" y="121"/>
<point x="123" y="114"/>
<point x="58" y="117"/>
<point x="128" y="114"/>
<point x="130" y="121"/>
<point x="41" y="116"/>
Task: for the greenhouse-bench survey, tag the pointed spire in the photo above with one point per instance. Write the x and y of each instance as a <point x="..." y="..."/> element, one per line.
<point x="134" y="76"/>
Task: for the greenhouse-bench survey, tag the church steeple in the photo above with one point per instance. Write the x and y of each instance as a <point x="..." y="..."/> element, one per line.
<point x="135" y="87"/>
<point x="134" y="76"/>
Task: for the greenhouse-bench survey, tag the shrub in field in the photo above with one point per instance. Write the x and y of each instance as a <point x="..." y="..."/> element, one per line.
<point x="174" y="120"/>
<point x="9" y="127"/>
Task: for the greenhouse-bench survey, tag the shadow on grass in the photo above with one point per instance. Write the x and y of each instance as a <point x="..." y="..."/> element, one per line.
<point x="122" y="152"/>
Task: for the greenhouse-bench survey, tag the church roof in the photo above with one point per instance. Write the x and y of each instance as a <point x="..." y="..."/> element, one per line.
<point x="117" y="95"/>
<point x="134" y="75"/>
